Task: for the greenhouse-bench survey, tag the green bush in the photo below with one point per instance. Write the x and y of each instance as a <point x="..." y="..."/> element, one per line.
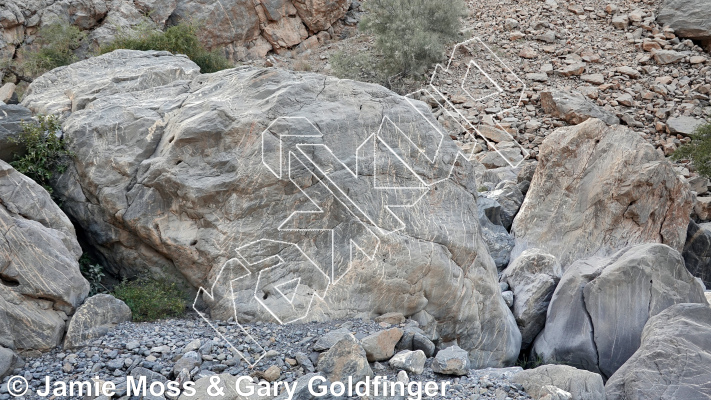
<point x="178" y="39"/>
<point x="46" y="153"/>
<point x="411" y="35"/>
<point x="151" y="299"/>
<point x="698" y="150"/>
<point x="53" y="47"/>
<point x="93" y="273"/>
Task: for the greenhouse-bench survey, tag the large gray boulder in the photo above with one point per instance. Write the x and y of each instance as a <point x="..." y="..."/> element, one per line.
<point x="601" y="305"/>
<point x="8" y="359"/>
<point x="40" y="281"/>
<point x="96" y="317"/>
<point x="195" y="178"/>
<point x="688" y="18"/>
<point x="346" y="359"/>
<point x="581" y="384"/>
<point x="11" y="118"/>
<point x="532" y="277"/>
<point x="673" y="361"/>
<point x="574" y="108"/>
<point x="598" y="189"/>
<point x="697" y="252"/>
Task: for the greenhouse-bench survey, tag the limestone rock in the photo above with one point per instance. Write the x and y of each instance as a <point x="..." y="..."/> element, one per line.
<point x="392" y="318"/>
<point x="598" y="189"/>
<point x="410" y="361"/>
<point x="451" y="361"/>
<point x="318" y="15"/>
<point x="150" y="206"/>
<point x="8" y="358"/>
<point x="40" y="281"/>
<point x="498" y="240"/>
<point x="346" y="359"/>
<point x="574" y="108"/>
<point x="532" y="277"/>
<point x="327" y="340"/>
<point x="230" y="22"/>
<point x="509" y="196"/>
<point x="688" y="18"/>
<point x="683" y="125"/>
<point x="582" y="385"/>
<point x="600" y="306"/>
<point x="380" y="346"/>
<point x="664" y="57"/>
<point x="188" y="361"/>
<point x="11" y="117"/>
<point x="673" y="360"/>
<point x="93" y="319"/>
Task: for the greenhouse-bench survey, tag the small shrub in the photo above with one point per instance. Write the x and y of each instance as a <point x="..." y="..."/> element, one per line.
<point x="411" y="35"/>
<point x="93" y="273"/>
<point x="178" y="39"/>
<point x="53" y="47"/>
<point x="151" y="299"/>
<point x="46" y="153"/>
<point x="698" y="151"/>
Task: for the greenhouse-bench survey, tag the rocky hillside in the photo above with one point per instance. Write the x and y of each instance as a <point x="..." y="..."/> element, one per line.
<point x="333" y="228"/>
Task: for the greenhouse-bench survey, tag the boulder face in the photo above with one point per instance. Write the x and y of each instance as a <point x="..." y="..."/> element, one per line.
<point x="582" y="385"/>
<point x="673" y="361"/>
<point x="574" y="108"/>
<point x="93" y="319"/>
<point x="205" y="169"/>
<point x="598" y="189"/>
<point x="40" y="281"/>
<point x="601" y="305"/>
<point x="11" y="118"/>
<point x="688" y="18"/>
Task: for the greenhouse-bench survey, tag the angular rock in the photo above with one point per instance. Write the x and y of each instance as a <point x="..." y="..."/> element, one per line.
<point x="600" y="306"/>
<point x="598" y="189"/>
<point x="188" y="361"/>
<point x="498" y="240"/>
<point x="673" y="360"/>
<point x="423" y="343"/>
<point x="553" y="393"/>
<point x="318" y="15"/>
<point x="451" y="361"/>
<point x="380" y="346"/>
<point x="581" y="384"/>
<point x="393" y="318"/>
<point x="40" y="281"/>
<point x="97" y="316"/>
<point x="664" y="57"/>
<point x="410" y="361"/>
<point x="227" y="384"/>
<point x="509" y="196"/>
<point x="8" y="358"/>
<point x="697" y="252"/>
<point x="330" y="338"/>
<point x="574" y="108"/>
<point x="346" y="359"/>
<point x="150" y="206"/>
<point x="684" y="125"/>
<point x="688" y="18"/>
<point x="305" y="388"/>
<point x="11" y="118"/>
<point x="532" y="277"/>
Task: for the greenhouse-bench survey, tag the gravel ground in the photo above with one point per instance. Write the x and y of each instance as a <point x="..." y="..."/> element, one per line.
<point x="156" y="346"/>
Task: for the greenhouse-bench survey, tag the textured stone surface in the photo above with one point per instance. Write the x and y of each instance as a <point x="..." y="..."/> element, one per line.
<point x="451" y="361"/>
<point x="7" y="361"/>
<point x="93" y="319"/>
<point x="688" y="18"/>
<point x="346" y="359"/>
<point x="600" y="306"/>
<point x="581" y="384"/>
<point x="410" y="361"/>
<point x="574" y="108"/>
<point x="498" y="240"/>
<point x="598" y="189"/>
<point x="380" y="346"/>
<point x="318" y="15"/>
<point x="183" y="184"/>
<point x="673" y="361"/>
<point x="11" y="117"/>
<point x="532" y="277"/>
<point x="697" y="252"/>
<point x="40" y="282"/>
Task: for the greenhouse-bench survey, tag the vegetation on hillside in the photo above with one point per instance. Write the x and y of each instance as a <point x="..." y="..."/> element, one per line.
<point x="178" y="39"/>
<point x="410" y="37"/>
<point x="46" y="153"/>
<point x="698" y="150"/>
<point x="150" y="299"/>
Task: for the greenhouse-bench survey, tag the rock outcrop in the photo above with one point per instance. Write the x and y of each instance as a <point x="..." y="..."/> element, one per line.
<point x="532" y="278"/>
<point x="93" y="319"/>
<point x="243" y="28"/>
<point x="182" y="188"/>
<point x="688" y="18"/>
<point x="40" y="281"/>
<point x="673" y="361"/>
<point x="601" y="305"/>
<point x="598" y="189"/>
